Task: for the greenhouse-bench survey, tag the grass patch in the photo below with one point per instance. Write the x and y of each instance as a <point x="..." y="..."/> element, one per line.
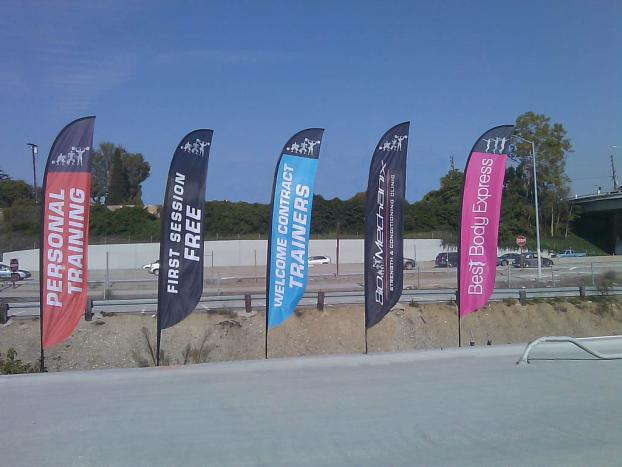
<point x="197" y="353"/>
<point x="577" y="301"/>
<point x="228" y="312"/>
<point x="10" y="365"/>
<point x="192" y="353"/>
<point x="150" y="347"/>
<point x="605" y="282"/>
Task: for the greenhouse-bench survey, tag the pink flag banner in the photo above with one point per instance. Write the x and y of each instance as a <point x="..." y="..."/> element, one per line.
<point x="479" y="226"/>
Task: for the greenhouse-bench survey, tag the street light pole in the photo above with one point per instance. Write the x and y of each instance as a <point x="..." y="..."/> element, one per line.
<point x="34" y="149"/>
<point x="613" y="170"/>
<point x="535" y="195"/>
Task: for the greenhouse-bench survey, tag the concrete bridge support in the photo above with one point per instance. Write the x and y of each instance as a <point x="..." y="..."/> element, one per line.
<point x="616" y="221"/>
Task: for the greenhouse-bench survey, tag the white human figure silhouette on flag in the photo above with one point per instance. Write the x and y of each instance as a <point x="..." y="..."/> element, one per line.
<point x="202" y="145"/>
<point x="399" y="141"/>
<point x="312" y="145"/>
<point x="60" y="159"/>
<point x="79" y="153"/>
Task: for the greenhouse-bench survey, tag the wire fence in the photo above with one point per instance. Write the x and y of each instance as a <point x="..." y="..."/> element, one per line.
<point x="142" y="282"/>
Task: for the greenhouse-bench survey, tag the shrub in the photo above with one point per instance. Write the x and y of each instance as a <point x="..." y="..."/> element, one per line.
<point x="12" y="366"/>
<point x="197" y="354"/>
<point x="605" y="282"/>
<point x="151" y="352"/>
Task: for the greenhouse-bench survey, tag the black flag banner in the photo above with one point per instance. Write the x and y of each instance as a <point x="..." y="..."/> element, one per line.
<point x="384" y="224"/>
<point x="181" y="247"/>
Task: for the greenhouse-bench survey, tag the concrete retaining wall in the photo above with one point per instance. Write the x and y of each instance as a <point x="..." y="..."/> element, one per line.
<point x="226" y="253"/>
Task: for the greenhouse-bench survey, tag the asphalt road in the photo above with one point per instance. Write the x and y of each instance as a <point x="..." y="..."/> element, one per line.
<point x="139" y="284"/>
<point x="470" y="406"/>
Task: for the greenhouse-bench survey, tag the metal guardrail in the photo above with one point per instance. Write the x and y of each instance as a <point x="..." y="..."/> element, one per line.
<point x="571" y="340"/>
<point x="320" y="299"/>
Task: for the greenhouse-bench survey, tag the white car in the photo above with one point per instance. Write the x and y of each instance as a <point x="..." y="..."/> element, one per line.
<point x="5" y="273"/>
<point x="318" y="260"/>
<point x="153" y="268"/>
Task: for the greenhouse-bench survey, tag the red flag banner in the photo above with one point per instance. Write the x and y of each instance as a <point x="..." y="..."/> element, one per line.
<point x="65" y="232"/>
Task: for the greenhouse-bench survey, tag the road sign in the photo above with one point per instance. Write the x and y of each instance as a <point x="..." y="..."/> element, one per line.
<point x="521" y="240"/>
<point x="14" y="266"/>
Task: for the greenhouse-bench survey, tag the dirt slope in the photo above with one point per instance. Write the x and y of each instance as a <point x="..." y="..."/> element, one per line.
<point x="119" y="340"/>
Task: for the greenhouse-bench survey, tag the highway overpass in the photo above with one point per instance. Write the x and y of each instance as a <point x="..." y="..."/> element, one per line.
<point x="601" y="219"/>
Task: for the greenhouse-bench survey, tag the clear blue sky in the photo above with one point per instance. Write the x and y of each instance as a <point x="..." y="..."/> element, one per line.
<point x="257" y="71"/>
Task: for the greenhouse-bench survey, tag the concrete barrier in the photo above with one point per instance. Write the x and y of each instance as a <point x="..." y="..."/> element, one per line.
<point x="227" y="253"/>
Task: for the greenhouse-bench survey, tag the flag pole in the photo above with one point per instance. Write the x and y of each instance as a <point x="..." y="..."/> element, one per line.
<point x="459" y="329"/>
<point x="158" y="338"/>
<point x="41" y="285"/>
<point x="269" y="255"/>
<point x="458" y="302"/>
<point x="42" y="356"/>
<point x="266" y="335"/>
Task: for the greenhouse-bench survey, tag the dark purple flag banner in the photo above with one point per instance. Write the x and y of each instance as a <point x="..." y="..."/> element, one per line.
<point x="180" y="283"/>
<point x="384" y="224"/>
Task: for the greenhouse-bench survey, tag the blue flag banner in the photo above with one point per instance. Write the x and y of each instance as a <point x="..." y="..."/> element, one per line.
<point x="292" y="205"/>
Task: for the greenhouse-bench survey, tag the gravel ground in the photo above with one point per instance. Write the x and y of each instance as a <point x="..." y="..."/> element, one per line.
<point x="115" y="341"/>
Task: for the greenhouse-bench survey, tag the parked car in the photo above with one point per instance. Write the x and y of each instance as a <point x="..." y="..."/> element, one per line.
<point x="507" y="258"/>
<point x="5" y="273"/>
<point x="153" y="268"/>
<point x="409" y="263"/>
<point x="569" y="254"/>
<point x="530" y="260"/>
<point x="318" y="260"/>
<point x="447" y="260"/>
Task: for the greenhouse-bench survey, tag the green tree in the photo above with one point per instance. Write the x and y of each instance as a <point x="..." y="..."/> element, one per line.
<point x="119" y="189"/>
<point x="101" y="161"/>
<point x="3" y="175"/>
<point x="136" y="168"/>
<point x="23" y="216"/>
<point x="517" y="212"/>
<point x="133" y="222"/>
<point x="12" y="190"/>
<point x="552" y="147"/>
<point x="439" y="209"/>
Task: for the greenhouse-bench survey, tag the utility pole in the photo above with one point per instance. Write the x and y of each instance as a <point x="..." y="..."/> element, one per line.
<point x="35" y="150"/>
<point x="614" y="176"/>
<point x="535" y="195"/>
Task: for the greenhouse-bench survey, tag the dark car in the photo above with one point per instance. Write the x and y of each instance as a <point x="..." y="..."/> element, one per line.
<point x="409" y="263"/>
<point x="530" y="260"/>
<point x="447" y="260"/>
<point x="508" y="258"/>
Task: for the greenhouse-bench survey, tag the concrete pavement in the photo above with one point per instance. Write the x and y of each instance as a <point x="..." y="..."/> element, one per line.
<point x="470" y="406"/>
